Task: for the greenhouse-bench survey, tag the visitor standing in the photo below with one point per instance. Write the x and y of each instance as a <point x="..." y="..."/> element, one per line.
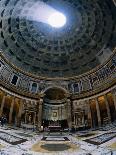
<point x="5" y="120"/>
<point x="2" y="121"/>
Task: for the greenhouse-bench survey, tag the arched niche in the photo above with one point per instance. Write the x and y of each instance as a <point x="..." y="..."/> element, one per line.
<point x="55" y="107"/>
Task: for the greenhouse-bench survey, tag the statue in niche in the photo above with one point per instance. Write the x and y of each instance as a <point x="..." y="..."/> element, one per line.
<point x="29" y="119"/>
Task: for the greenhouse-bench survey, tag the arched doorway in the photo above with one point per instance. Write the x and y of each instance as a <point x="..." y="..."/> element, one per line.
<point x="55" y="108"/>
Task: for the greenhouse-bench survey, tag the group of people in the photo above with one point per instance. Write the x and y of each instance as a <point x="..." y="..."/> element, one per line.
<point x="3" y="120"/>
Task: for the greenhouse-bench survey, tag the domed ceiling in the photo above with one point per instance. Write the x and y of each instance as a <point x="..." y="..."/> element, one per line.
<point x="42" y="50"/>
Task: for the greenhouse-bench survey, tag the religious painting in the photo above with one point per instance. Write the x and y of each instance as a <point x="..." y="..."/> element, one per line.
<point x="54" y="114"/>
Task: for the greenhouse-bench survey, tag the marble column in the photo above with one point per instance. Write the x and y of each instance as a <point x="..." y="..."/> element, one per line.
<point x="11" y="110"/>
<point x="69" y="116"/>
<point x="89" y="114"/>
<point x="20" y="112"/>
<point x="40" y="113"/>
<point x="114" y="97"/>
<point x="108" y="109"/>
<point x="2" y="104"/>
<point x="98" y="112"/>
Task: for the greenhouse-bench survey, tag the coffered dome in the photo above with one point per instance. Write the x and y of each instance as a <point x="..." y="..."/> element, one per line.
<point x="84" y="42"/>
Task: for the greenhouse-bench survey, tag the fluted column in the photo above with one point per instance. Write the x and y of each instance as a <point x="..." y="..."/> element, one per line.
<point x="108" y="109"/>
<point x="40" y="114"/>
<point x="98" y="112"/>
<point x="2" y="105"/>
<point x="69" y="116"/>
<point x="11" y="110"/>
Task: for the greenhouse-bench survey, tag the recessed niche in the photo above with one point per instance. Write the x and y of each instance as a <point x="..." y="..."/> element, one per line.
<point x="34" y="87"/>
<point x="14" y="79"/>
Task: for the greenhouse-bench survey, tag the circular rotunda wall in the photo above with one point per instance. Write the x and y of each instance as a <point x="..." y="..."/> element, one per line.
<point x="84" y="42"/>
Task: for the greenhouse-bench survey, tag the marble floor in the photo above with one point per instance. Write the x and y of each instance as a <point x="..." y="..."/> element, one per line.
<point x="15" y="141"/>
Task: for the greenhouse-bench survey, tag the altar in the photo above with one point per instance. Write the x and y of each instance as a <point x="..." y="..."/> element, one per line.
<point x="54" y="128"/>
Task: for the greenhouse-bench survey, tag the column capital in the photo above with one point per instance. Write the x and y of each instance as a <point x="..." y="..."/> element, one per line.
<point x="12" y="97"/>
<point x="87" y="101"/>
<point x="5" y="93"/>
<point x="22" y="101"/>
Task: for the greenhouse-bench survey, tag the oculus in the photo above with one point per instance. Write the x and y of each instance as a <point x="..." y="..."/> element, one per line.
<point x="57" y="20"/>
